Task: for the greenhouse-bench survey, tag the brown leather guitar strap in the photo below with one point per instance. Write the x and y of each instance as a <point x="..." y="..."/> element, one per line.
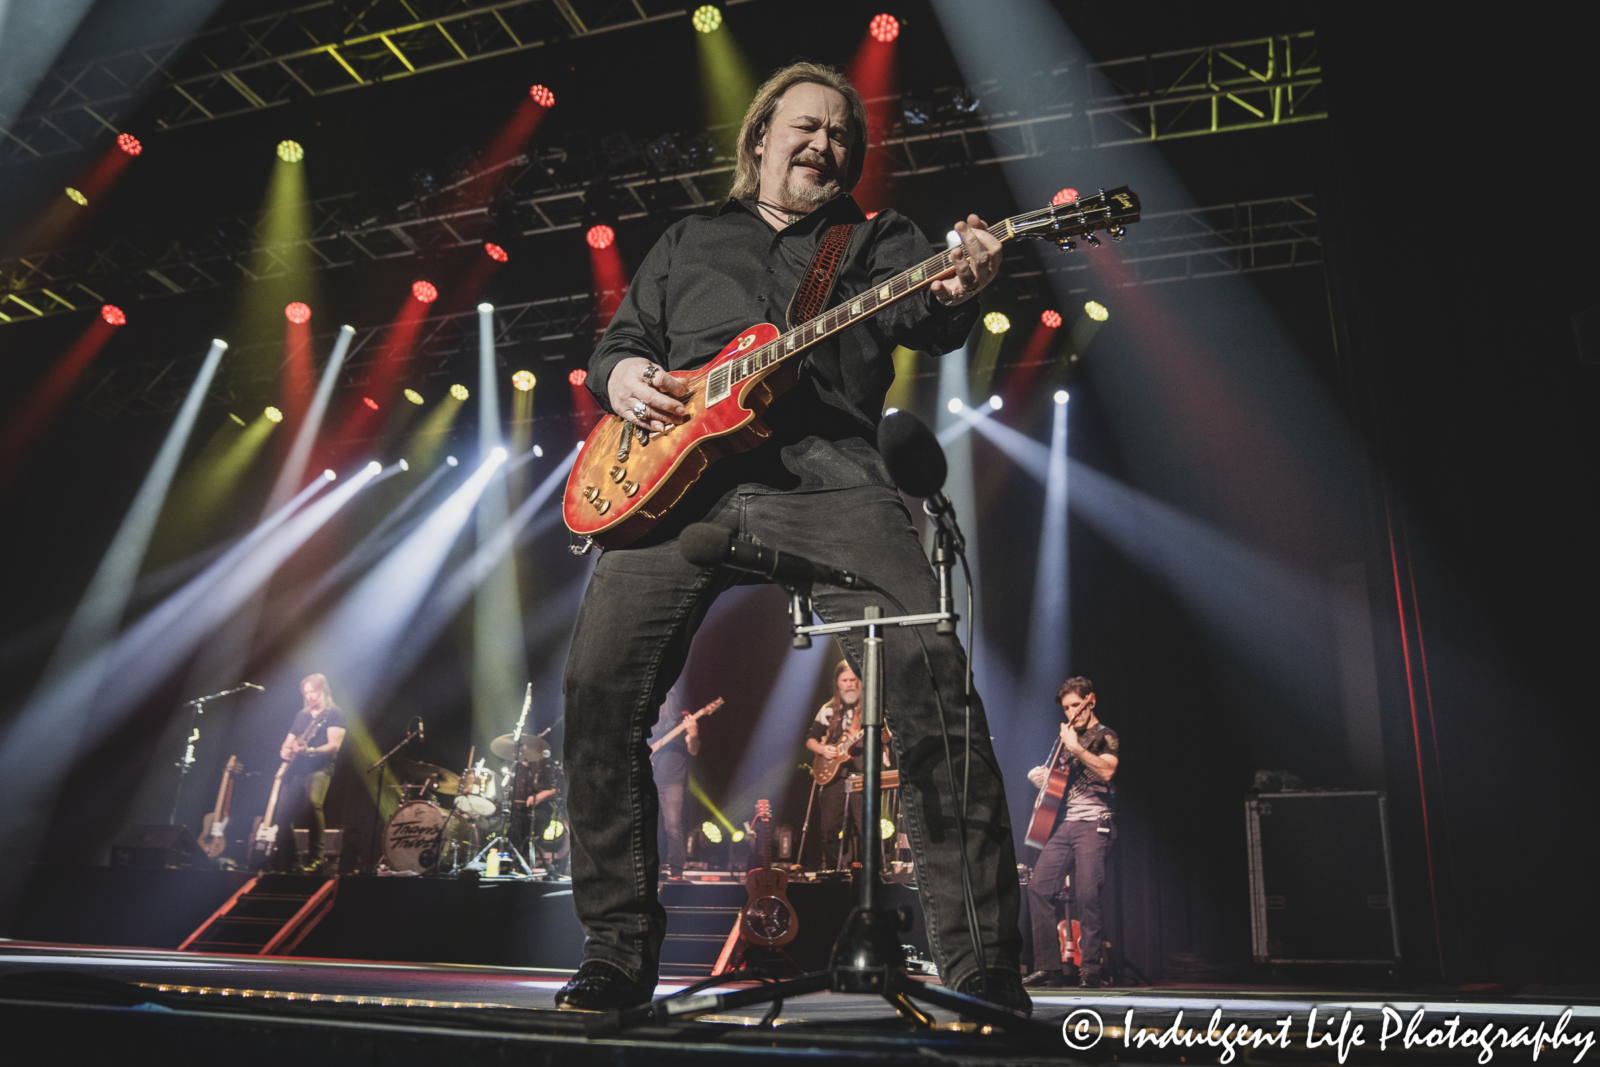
<point x="812" y="296"/>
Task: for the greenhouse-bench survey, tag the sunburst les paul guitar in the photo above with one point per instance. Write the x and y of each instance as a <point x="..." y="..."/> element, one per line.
<point x="626" y="480"/>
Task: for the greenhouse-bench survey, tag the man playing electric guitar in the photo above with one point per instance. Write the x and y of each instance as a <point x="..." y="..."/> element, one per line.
<point x="305" y="786"/>
<point x="1078" y="843"/>
<point x="814" y="485"/>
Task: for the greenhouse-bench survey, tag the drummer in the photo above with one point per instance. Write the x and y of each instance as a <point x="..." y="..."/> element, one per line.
<point x="533" y="792"/>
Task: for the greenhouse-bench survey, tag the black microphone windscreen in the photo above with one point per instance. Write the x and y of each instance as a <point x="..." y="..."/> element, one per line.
<point x="915" y="459"/>
<point x="705" y="544"/>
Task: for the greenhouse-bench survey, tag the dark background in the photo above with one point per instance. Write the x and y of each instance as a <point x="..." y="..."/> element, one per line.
<point x="1451" y="181"/>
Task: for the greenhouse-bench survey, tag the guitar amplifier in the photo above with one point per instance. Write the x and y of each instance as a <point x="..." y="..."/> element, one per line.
<point x="1321" y="884"/>
<point x="334" y="846"/>
<point x="157" y="846"/>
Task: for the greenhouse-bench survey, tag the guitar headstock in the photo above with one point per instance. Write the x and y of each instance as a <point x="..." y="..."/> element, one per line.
<point x="235" y="765"/>
<point x="763" y="810"/>
<point x="709" y="708"/>
<point x="1109" y="210"/>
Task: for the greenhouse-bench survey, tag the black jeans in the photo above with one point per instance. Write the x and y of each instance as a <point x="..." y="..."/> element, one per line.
<point x="834" y="808"/>
<point x="632" y="638"/>
<point x="302" y="797"/>
<point x="671" y="826"/>
<point x="1077" y="849"/>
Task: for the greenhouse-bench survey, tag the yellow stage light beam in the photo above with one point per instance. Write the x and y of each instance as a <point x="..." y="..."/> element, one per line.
<point x="727" y="83"/>
<point x="208" y="484"/>
<point x="434" y="431"/>
<point x="700" y="795"/>
<point x="989" y="343"/>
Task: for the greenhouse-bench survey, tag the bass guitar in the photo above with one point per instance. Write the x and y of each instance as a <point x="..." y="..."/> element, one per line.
<point x="658" y="745"/>
<point x="767" y="919"/>
<point x="264" y="834"/>
<point x="214" y="827"/>
<point x="627" y="479"/>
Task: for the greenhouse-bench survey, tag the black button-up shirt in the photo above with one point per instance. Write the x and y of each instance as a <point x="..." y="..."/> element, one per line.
<point x="707" y="279"/>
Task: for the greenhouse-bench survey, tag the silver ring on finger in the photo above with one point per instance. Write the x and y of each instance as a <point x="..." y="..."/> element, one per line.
<point x="639" y="410"/>
<point x="650" y="372"/>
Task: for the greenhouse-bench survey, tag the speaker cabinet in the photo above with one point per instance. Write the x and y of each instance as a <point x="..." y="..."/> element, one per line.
<point x="1321" y="884"/>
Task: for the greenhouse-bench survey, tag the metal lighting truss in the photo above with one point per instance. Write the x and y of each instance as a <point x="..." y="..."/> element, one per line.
<point x="545" y="192"/>
<point x="307" y="51"/>
<point x="1204" y="242"/>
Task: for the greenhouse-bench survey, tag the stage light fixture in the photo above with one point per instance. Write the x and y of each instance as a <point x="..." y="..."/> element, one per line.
<point x="77" y="197"/>
<point x="886" y="828"/>
<point x="298" y="313"/>
<point x="290" y="151"/>
<point x="1065" y="196"/>
<point x="495" y="252"/>
<point x="523" y="380"/>
<point x="374" y="467"/>
<point x="273" y="414"/>
<point x="424" y="292"/>
<point x="955" y="405"/>
<point x="995" y="322"/>
<point x="371" y="403"/>
<point x="453" y="461"/>
<point x="600" y="236"/>
<point x="217" y="342"/>
<point x="404" y="465"/>
<point x="459" y="391"/>
<point x="872" y="214"/>
<point x="542" y="96"/>
<point x="995" y="403"/>
<point x="235" y="418"/>
<point x="1096" y="311"/>
<point x="497" y="455"/>
<point x="1052" y="319"/>
<point x="554" y="829"/>
<point x="738" y="835"/>
<point x="577" y="377"/>
<point x="329" y="476"/>
<point x="889" y="411"/>
<point x="113" y="315"/>
<point x="712" y="831"/>
<point x="414" y="396"/>
<point x="884" y="28"/>
<point x="1061" y="396"/>
<point x="952" y="239"/>
<point x="129" y="144"/>
<point x="706" y="19"/>
<point x="538" y="452"/>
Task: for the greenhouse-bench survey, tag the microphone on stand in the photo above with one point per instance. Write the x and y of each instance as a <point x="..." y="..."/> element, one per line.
<point x="420" y="735"/>
<point x="259" y="688"/>
<point x="707" y="545"/>
<point x="916" y="463"/>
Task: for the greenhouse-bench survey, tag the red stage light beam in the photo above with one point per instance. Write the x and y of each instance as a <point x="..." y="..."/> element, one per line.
<point x="872" y="72"/>
<point x="25" y="423"/>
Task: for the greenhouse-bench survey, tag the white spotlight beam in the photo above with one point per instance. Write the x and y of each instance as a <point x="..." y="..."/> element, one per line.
<point x="359" y="634"/>
<point x="968" y="417"/>
<point x="1050" y="620"/>
<point x="779" y="726"/>
<point x="294" y="466"/>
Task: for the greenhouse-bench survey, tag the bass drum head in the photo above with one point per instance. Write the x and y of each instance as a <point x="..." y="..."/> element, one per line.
<point x="411" y="837"/>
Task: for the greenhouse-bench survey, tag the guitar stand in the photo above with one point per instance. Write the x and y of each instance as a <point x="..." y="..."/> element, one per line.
<point x="867" y="957"/>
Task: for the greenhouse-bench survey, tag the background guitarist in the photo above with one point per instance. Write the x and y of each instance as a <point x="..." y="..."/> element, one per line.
<point x="305" y="786"/>
<point x="816" y="486"/>
<point x="1077" y="846"/>
<point x="834" y="725"/>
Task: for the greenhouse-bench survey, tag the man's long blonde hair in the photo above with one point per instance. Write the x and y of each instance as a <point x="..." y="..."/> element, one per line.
<point x="757" y="120"/>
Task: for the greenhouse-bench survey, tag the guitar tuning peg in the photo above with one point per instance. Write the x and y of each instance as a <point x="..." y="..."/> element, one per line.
<point x="1117" y="233"/>
<point x="1094" y="242"/>
<point x="1066" y="244"/>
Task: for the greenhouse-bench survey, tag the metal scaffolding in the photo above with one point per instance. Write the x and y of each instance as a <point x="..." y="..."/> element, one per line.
<point x="559" y="332"/>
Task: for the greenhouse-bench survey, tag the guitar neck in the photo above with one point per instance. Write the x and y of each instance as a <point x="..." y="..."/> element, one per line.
<point x="856" y="310"/>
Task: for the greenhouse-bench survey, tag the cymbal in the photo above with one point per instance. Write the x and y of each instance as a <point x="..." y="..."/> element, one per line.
<point x="534" y="749"/>
<point x="445" y="781"/>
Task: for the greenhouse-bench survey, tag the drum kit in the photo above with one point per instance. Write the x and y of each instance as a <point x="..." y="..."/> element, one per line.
<point x="448" y="823"/>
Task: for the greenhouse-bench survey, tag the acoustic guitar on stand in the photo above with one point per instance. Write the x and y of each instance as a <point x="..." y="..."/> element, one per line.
<point x="767" y="919"/>
<point x="627" y="479"/>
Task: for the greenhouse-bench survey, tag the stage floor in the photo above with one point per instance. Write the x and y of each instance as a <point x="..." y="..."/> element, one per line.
<point x="311" y="1011"/>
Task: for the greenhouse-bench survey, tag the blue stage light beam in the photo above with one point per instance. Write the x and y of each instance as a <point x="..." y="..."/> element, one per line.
<point x="294" y="465"/>
<point x="764" y="770"/>
<point x="357" y="637"/>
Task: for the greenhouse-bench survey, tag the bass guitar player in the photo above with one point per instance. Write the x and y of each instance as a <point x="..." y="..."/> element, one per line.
<point x="1073" y="829"/>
